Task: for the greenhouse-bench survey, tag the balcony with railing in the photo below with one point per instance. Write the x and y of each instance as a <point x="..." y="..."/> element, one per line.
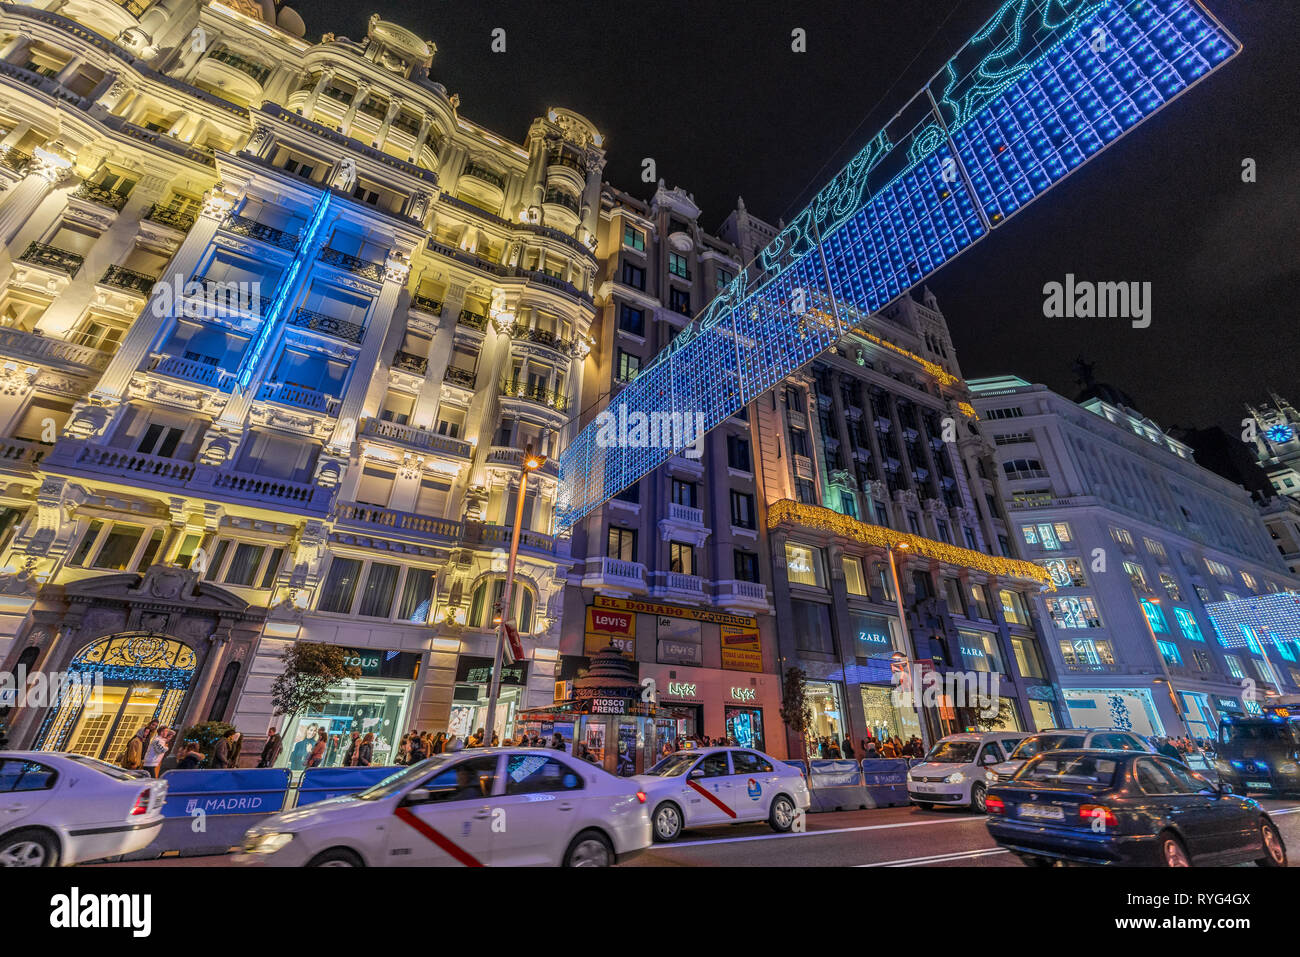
<point x="432" y="306"/>
<point x="228" y="298"/>
<point x="261" y="489"/>
<point x="52" y="257"/>
<point x="493" y="536"/>
<point x="255" y="70"/>
<point x="473" y="320"/>
<point x="515" y="389"/>
<point x="514" y="458"/>
<point x="187" y="370"/>
<point x="101" y="195"/>
<point x="243" y="226"/>
<point x="543" y="337"/>
<point x="15" y="159"/>
<point x="21" y="455"/>
<point x="486" y="175"/>
<point x="678" y="585"/>
<point x="319" y="322"/>
<point x="298" y="397"/>
<point x="119" y="277"/>
<point x="352" y="264"/>
<point x="34" y="346"/>
<point x="685" y="514"/>
<point x="416" y="438"/>
<point x="558" y="197"/>
<point x="390" y="521"/>
<point x="410" y="362"/>
<point x="170" y="216"/>
<point x="462" y="378"/>
<point x="153" y="469"/>
<point x="615" y="577"/>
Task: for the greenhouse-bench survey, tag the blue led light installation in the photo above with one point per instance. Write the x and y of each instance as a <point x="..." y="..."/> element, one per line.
<point x="284" y="291"/>
<point x="1270" y="619"/>
<point x="1041" y="89"/>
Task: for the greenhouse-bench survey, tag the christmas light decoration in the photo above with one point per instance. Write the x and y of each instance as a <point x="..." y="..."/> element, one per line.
<point x="1041" y="89"/>
<point x="791" y="513"/>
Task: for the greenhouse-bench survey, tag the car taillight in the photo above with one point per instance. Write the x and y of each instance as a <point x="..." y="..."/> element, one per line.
<point x="995" y="805"/>
<point x="640" y="796"/>
<point x="141" y="803"/>
<point x="1097" y="812"/>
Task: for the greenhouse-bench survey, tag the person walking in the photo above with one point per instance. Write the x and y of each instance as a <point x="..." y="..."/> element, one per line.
<point x="869" y="750"/>
<point x="132" y="758"/>
<point x="365" y="751"/>
<point x="439" y="743"/>
<point x="557" y="741"/>
<point x="350" y="755"/>
<point x="271" y="750"/>
<point x="221" y="754"/>
<point x="158" y="748"/>
<point x="191" y="757"/>
<point x="417" y="752"/>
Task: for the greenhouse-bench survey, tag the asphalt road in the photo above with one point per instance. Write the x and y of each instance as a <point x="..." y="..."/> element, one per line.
<point x="886" y="837"/>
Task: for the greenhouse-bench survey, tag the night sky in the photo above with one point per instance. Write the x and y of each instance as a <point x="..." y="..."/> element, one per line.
<point x="713" y="92"/>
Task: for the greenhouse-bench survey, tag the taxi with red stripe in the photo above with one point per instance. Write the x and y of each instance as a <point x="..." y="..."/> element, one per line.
<point x="474" y="808"/>
<point x="708" y="786"/>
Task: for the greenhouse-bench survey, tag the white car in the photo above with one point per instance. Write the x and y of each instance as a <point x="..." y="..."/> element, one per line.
<point x="708" y="786"/>
<point x="959" y="769"/>
<point x="65" y="809"/>
<point x="1104" y="739"/>
<point x="478" y="807"/>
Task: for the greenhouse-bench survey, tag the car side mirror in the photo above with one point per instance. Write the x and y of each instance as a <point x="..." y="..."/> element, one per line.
<point x="990" y="759"/>
<point x="418" y="796"/>
<point x="696" y="773"/>
<point x="1225" y="788"/>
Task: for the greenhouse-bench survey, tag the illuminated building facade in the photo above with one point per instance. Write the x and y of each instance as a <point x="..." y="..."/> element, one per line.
<point x="1138" y="540"/>
<point x="874" y="448"/>
<point x="277" y="322"/>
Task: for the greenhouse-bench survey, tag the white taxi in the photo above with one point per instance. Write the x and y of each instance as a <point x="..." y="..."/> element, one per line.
<point x="60" y="809"/>
<point x="959" y="769"/>
<point x="708" y="786"/>
<point x="479" y="807"/>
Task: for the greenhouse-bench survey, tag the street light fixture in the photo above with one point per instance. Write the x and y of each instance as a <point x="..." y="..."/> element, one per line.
<point x="530" y="462"/>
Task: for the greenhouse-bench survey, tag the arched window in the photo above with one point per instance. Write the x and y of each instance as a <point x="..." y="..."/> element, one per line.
<point x="481" y="610"/>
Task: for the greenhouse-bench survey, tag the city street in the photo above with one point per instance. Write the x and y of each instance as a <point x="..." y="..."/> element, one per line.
<point x="887" y="837"/>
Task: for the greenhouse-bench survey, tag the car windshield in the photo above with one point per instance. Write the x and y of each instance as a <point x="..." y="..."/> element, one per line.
<point x="102" y="767"/>
<point x="953" y="752"/>
<point x="674" y="765"/>
<point x="1254" y="731"/>
<point x="1039" y="744"/>
<point x="1088" y="770"/>
<point x="395" y="782"/>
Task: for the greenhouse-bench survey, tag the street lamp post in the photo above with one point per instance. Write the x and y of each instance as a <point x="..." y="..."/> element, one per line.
<point x="529" y="463"/>
<point x="909" y="647"/>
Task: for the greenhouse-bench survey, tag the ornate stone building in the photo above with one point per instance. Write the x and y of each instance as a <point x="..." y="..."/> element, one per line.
<point x="276" y="322"/>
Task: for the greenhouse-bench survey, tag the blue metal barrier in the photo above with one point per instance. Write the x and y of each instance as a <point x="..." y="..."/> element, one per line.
<point x="836" y="785"/>
<point x="885" y="780"/>
<point x="208" y="811"/>
<point x="801" y="765"/>
<point x="321" y="784"/>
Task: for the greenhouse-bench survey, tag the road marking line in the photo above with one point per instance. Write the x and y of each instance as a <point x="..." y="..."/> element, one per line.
<point x="937" y="858"/>
<point x="466" y="858"/>
<point x="835" y="830"/>
<point x="712" y="797"/>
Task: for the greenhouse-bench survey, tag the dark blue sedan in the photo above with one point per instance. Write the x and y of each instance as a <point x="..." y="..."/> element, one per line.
<point x="1126" y="808"/>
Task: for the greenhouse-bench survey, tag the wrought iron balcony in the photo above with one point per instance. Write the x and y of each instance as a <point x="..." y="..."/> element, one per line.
<point x="558" y="197"/>
<point x="40" y="254"/>
<point x="15" y="160"/>
<point x="243" y="226"/>
<point x="101" y="195"/>
<point x="288" y="394"/>
<point x="358" y="267"/>
<point x="410" y="362"/>
<point x="170" y="216"/>
<point x="230" y="297"/>
<point x="485" y="174"/>
<point x="472" y="319"/>
<point x="424" y="303"/>
<point x="542" y="336"/>
<point x="255" y="70"/>
<point x="122" y="278"/>
<point x="318" y="322"/>
<point x="464" y="378"/>
<point x="535" y="393"/>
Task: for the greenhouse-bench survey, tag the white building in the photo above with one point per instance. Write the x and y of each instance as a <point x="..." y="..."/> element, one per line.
<point x="1137" y="538"/>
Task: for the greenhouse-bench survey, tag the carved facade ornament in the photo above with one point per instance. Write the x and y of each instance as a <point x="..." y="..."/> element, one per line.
<point x="218" y="202"/>
<point x="397" y="266"/>
<point x="345" y="177"/>
<point x="260" y="136"/>
<point x="420" y="201"/>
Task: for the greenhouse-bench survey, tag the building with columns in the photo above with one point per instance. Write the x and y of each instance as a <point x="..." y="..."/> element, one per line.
<point x="276" y="323"/>
<point x="1138" y="540"/>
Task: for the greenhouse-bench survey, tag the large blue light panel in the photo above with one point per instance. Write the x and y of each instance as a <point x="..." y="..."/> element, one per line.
<point x="1272" y="619"/>
<point x="1043" y="87"/>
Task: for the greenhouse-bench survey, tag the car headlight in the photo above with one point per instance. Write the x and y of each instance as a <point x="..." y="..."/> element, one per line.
<point x="909" y="776"/>
<point x="267" y="843"/>
<point x="955" y="778"/>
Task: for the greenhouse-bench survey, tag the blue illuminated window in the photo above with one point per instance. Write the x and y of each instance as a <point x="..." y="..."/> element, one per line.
<point x="1169" y="651"/>
<point x="1187" y="624"/>
<point x="1156" y="617"/>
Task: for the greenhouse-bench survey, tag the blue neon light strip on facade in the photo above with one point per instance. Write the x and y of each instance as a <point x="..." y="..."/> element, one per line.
<point x="1266" y="619"/>
<point x="284" y="292"/>
<point x="1041" y="89"/>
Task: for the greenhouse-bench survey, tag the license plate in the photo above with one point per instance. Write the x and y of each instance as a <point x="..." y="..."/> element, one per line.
<point x="1046" y="812"/>
<point x="1264" y="785"/>
<point x="926" y="787"/>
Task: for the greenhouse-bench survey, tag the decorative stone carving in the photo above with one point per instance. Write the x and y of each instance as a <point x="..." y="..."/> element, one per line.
<point x="169" y="582"/>
<point x="345" y="177"/>
<point x="397" y="266"/>
<point x="258" y="140"/>
<point x="218" y="202"/>
<point x="420" y="201"/>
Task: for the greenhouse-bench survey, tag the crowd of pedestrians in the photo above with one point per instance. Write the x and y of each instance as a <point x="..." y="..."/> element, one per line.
<point x="871" y="747"/>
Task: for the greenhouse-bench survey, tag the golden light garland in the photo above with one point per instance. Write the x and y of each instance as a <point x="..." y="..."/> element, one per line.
<point x="933" y="368"/>
<point x="966" y="409"/>
<point x="787" y="511"/>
